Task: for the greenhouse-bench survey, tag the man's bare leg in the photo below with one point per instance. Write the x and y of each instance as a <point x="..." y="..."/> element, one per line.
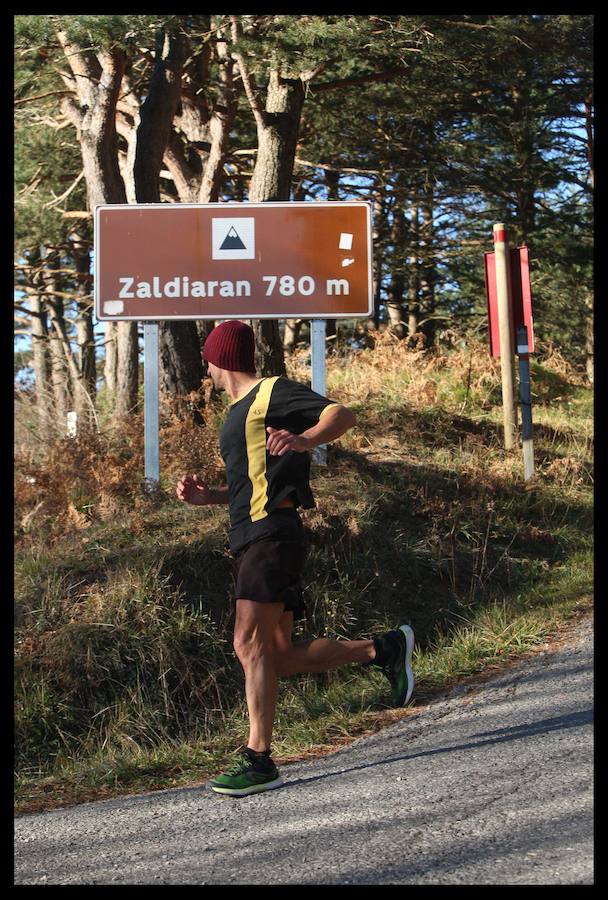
<point x="255" y="627"/>
<point x="317" y="655"/>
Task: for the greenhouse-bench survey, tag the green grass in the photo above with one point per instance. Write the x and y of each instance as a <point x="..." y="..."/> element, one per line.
<point x="125" y="675"/>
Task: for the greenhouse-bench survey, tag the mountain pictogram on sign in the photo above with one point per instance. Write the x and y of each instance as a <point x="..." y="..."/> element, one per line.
<point x="233" y="237"/>
<point x="232" y="241"/>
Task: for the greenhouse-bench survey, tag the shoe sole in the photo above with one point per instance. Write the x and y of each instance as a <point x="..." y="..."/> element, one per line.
<point x="253" y="789"/>
<point x="409" y="648"/>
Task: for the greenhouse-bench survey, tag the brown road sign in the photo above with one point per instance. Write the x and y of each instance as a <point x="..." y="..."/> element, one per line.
<point x="233" y="260"/>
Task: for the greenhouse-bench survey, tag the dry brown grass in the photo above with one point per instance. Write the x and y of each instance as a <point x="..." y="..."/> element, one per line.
<point x="405" y="399"/>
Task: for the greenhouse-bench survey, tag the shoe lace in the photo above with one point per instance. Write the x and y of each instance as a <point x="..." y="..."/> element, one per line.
<point x="241" y="763"/>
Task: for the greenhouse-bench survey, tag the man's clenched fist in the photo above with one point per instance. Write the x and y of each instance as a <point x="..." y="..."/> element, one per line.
<point x="191" y="490"/>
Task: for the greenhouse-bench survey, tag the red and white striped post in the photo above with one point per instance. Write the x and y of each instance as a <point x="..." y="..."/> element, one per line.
<point x="507" y="346"/>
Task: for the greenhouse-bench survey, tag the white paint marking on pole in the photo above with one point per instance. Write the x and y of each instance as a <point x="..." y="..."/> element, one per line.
<point x="151" y="438"/>
<point x="526" y="401"/>
<point x="318" y="373"/>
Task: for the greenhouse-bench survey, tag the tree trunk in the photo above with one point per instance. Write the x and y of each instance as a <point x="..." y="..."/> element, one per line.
<point x="156" y="115"/>
<point x="40" y="349"/>
<point x="127" y="369"/>
<point x="332" y="180"/>
<point x="96" y="81"/>
<point x="179" y="344"/>
<point x="589" y="346"/>
<point x="64" y="376"/>
<point x="525" y="145"/>
<point x="292" y="328"/>
<point x="589" y="131"/>
<point x="394" y="300"/>
<point x="75" y="395"/>
<point x="60" y="376"/>
<point x="110" y="357"/>
<point x="85" y="337"/>
<point x="40" y="361"/>
<point x="428" y="274"/>
<point x="220" y="125"/>
<point x="277" y="139"/>
<point x="178" y="341"/>
<point x="278" y="129"/>
<point x="127" y="124"/>
<point x="204" y="327"/>
<point x="292" y="332"/>
<point x="378" y="224"/>
<point x="269" y="358"/>
<point x="413" y="290"/>
<point x="394" y="306"/>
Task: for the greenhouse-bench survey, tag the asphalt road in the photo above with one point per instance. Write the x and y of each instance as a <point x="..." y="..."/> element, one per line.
<point x="490" y="785"/>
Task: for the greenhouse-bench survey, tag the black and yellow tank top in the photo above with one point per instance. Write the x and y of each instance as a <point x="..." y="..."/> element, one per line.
<point x="258" y="481"/>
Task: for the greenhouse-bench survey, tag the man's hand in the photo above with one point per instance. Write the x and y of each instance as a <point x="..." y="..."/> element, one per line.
<point x="336" y="419"/>
<point x="281" y="442"/>
<point x="191" y="490"/>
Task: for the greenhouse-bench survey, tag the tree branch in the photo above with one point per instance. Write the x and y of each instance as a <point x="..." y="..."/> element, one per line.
<point x="326" y="168"/>
<point x="357" y="79"/>
<point x="29" y="312"/>
<point x="65" y="194"/>
<point x="459" y="24"/>
<point x="185" y="178"/>
<point x="85" y="67"/>
<point x="43" y="269"/>
<point x="313" y="73"/>
<point x="248" y="80"/>
<point x="39" y="97"/>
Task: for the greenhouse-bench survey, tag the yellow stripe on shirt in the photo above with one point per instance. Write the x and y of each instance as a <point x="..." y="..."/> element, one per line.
<point x="255" y="438"/>
<point x="325" y="409"/>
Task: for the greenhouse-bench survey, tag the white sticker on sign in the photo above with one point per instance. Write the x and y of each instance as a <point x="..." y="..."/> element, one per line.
<point x="233" y="238"/>
<point x="113" y="308"/>
<point x="346" y="241"/>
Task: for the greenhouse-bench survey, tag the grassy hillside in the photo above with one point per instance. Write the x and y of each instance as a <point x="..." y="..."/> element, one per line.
<point x="125" y="675"/>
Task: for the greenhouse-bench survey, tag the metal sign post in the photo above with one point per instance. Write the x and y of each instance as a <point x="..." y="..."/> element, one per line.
<point x="318" y="373"/>
<point x="503" y="290"/>
<point x="151" y="438"/>
<point x="509" y="300"/>
<point x="526" y="401"/>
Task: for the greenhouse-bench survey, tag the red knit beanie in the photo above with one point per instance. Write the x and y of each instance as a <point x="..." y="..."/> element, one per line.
<point x="231" y="346"/>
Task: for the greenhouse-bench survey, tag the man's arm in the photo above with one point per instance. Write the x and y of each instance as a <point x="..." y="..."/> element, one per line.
<point x="335" y="421"/>
<point x="191" y="490"/>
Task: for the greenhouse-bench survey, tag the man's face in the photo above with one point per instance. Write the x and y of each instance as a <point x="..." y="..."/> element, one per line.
<point x="216" y="376"/>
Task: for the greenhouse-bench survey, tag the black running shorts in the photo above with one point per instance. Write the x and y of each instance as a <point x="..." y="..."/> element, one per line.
<point x="270" y="570"/>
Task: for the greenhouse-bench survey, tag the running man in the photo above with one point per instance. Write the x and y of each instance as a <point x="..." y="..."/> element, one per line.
<point x="272" y="425"/>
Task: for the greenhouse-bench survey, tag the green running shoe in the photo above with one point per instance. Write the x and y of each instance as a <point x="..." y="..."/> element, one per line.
<point x="394" y="652"/>
<point x="247" y="776"/>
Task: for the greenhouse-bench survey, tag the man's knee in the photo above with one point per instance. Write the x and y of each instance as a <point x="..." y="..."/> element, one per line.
<point x="257" y="632"/>
<point x="250" y="646"/>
